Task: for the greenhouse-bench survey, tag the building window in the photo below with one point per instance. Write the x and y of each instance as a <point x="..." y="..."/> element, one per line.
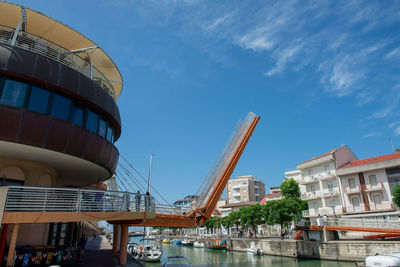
<point x="92" y="121"/>
<point x="110" y="135"/>
<point x="60" y="107"/>
<point x="372" y="180"/>
<point x="244" y="183"/>
<point x="77" y="114"/>
<point x="326" y="167"/>
<point x="355" y="201"/>
<point x="13" y="94"/>
<point x="352" y="183"/>
<point x="102" y="128"/>
<point x="39" y="100"/>
<point x="377" y="199"/>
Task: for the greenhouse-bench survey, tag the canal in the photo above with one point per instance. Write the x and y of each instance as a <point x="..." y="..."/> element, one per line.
<point x="205" y="257"/>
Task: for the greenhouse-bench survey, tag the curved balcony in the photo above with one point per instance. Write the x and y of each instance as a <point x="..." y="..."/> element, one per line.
<point x="48" y="49"/>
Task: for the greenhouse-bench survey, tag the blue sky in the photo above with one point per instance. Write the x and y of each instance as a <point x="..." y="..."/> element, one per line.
<point x="319" y="73"/>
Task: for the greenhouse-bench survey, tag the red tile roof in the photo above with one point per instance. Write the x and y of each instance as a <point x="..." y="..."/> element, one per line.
<point x="371" y="160"/>
<point x="272" y="194"/>
<point x="264" y="200"/>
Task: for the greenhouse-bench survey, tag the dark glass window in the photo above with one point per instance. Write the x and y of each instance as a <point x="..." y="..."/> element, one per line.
<point x="60" y="107"/>
<point x="109" y="134"/>
<point x="92" y="121"/>
<point x="77" y="114"/>
<point x="13" y="93"/>
<point x="102" y="128"/>
<point x="39" y="100"/>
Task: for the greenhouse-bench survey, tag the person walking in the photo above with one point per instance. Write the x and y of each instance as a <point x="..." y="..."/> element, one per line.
<point x="81" y="247"/>
<point x="147" y="202"/>
<point x="137" y="200"/>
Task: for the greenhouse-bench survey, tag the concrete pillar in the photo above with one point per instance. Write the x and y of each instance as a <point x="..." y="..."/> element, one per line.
<point x="3" y="239"/>
<point x="13" y="243"/>
<point x="115" y="238"/>
<point x="124" y="244"/>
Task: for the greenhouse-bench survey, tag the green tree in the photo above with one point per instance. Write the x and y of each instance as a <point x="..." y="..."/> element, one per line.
<point x="281" y="211"/>
<point x="290" y="189"/>
<point x="396" y="195"/>
<point x="251" y="216"/>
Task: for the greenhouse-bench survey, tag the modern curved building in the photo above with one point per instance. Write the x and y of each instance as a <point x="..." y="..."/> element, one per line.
<point x="59" y="118"/>
<point x="59" y="122"/>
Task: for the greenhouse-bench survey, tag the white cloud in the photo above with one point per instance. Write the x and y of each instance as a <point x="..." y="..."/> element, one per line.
<point x="383" y="113"/>
<point x="217" y="22"/>
<point x="395" y="53"/>
<point x="396" y="131"/>
<point x="371" y="134"/>
<point x="283" y="57"/>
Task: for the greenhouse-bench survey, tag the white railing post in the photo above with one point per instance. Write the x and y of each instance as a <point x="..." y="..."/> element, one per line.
<point x="79" y="200"/>
<point x="45" y="200"/>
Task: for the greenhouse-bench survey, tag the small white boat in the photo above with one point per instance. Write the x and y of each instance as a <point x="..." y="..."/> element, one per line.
<point x="150" y="250"/>
<point x="177" y="261"/>
<point x="198" y="244"/>
<point x="385" y="260"/>
<point x="253" y="251"/>
<point x="187" y="242"/>
<point x="133" y="249"/>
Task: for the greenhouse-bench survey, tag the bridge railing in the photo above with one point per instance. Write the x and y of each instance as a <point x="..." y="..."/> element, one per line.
<point x="51" y="199"/>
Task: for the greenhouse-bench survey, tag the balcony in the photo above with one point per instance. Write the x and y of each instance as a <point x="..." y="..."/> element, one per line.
<point x="326" y="175"/>
<point x="311" y="195"/>
<point x="355" y="209"/>
<point x="309" y="180"/>
<point x="381" y="206"/>
<point x="375" y="187"/>
<point x="26" y="204"/>
<point x="48" y="49"/>
<point x="328" y="193"/>
<point x="352" y="190"/>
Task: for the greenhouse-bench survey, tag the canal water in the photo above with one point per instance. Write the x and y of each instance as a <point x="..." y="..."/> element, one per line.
<point x="201" y="257"/>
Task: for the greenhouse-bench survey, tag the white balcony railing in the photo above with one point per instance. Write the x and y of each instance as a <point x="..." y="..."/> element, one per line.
<point x="48" y="49"/>
<point x="51" y="199"/>
<point x="352" y="209"/>
<point x="349" y="190"/>
<point x="381" y="206"/>
<point x="374" y="187"/>
<point x="311" y="195"/>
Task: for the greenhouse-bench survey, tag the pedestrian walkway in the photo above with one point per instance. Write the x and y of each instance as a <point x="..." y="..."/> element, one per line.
<point x="98" y="253"/>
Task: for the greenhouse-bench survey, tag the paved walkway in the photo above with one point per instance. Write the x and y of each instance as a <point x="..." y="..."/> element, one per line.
<point x="98" y="253"/>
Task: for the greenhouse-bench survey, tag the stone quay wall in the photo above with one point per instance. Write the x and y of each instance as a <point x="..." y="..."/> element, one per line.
<point x="344" y="250"/>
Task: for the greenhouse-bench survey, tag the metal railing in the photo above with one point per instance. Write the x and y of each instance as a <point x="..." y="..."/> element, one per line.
<point x="364" y="223"/>
<point x="51" y="199"/>
<point x="48" y="49"/>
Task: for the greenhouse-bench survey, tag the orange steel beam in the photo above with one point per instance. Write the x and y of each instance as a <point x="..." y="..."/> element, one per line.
<point x="362" y="229"/>
<point x="162" y="220"/>
<point x="297" y="235"/>
<point x="217" y="192"/>
<point x="381" y="236"/>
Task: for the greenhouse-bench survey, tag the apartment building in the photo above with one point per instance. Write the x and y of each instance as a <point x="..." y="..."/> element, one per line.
<point x="319" y="184"/>
<point x="245" y="189"/>
<point x="367" y="184"/>
<point x="274" y="194"/>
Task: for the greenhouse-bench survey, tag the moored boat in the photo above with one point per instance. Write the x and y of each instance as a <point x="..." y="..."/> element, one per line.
<point x="166" y="241"/>
<point x="216" y="245"/>
<point x="384" y="260"/>
<point x="177" y="242"/>
<point x="150" y="250"/>
<point x="198" y="244"/>
<point x="253" y="251"/>
<point x="187" y="242"/>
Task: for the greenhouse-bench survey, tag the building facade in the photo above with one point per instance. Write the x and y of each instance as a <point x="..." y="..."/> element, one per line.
<point x="319" y="184"/>
<point x="245" y="189"/>
<point x="367" y="186"/>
